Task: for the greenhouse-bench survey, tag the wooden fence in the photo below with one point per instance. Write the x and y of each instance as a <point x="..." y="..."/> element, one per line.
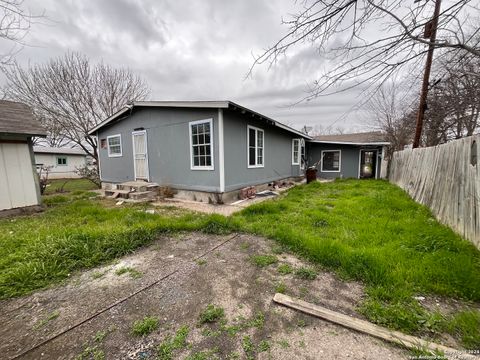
<point x="446" y="178"/>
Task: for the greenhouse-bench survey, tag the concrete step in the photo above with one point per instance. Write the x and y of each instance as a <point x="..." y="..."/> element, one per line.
<point x="138" y="186"/>
<point x="115" y="193"/>
<point x="142" y="195"/>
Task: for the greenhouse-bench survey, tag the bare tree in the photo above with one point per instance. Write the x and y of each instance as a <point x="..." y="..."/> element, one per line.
<point x="15" y="22"/>
<point x="368" y="41"/>
<point x="391" y="111"/>
<point x="70" y="95"/>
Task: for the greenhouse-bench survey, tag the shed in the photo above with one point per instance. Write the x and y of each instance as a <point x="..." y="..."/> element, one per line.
<point x="19" y="187"/>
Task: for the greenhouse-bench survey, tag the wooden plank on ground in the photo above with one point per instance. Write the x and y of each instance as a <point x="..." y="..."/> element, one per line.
<point x="368" y="328"/>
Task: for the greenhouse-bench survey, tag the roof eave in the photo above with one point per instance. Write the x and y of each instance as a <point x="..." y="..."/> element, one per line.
<point x="350" y="142"/>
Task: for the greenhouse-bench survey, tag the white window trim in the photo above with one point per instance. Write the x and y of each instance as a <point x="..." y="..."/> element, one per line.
<point x="298" y="152"/>
<point x="61" y="157"/>
<point x="196" y="122"/>
<point x="339" y="161"/>
<point x="256" y="148"/>
<point x="108" y="146"/>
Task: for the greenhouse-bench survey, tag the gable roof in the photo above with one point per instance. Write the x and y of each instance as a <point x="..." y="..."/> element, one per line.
<point x="364" y="138"/>
<point x="54" y="150"/>
<point x="17" y="118"/>
<point x="196" y="104"/>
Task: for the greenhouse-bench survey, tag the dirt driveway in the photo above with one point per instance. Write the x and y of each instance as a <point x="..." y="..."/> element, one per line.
<point x="188" y="272"/>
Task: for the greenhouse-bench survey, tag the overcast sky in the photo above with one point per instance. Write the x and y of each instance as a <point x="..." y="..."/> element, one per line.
<point x="194" y="50"/>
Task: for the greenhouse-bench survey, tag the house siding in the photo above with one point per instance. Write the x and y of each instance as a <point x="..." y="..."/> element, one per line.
<point x="277" y="152"/>
<point x="350" y="155"/>
<point x="168" y="146"/>
<point x="74" y="161"/>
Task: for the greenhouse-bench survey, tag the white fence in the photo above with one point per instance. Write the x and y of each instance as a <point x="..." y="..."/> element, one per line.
<point x="446" y="178"/>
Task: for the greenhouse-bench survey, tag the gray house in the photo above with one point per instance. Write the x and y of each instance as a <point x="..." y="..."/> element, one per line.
<point x="206" y="147"/>
<point x="360" y="155"/>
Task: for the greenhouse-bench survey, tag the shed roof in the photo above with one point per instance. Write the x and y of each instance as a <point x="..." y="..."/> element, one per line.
<point x="363" y="138"/>
<point x="17" y="118"/>
<point x="54" y="150"/>
<point x="196" y="104"/>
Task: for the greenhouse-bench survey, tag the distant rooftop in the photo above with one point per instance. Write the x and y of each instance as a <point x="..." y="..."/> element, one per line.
<point x="53" y="150"/>
<point x="17" y="118"/>
<point x="372" y="137"/>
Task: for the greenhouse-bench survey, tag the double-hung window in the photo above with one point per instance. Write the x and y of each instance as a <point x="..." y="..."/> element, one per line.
<point x="296" y="152"/>
<point x="331" y="160"/>
<point x="201" y="141"/>
<point x="114" y="145"/>
<point x="255" y="144"/>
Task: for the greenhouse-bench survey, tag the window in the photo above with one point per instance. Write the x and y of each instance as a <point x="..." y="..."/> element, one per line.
<point x="255" y="147"/>
<point x="201" y="149"/>
<point x="114" y="145"/>
<point x="295" y="151"/>
<point x="331" y="160"/>
<point x="303" y="160"/>
<point x="61" y="161"/>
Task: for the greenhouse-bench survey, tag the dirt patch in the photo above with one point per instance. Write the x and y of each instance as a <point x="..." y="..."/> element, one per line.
<point x="252" y="324"/>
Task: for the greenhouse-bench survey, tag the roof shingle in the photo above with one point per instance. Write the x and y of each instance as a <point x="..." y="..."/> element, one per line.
<point x="17" y="118"/>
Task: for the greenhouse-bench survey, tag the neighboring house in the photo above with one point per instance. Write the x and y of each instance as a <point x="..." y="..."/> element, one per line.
<point x="214" y="147"/>
<point x="62" y="162"/>
<point x="19" y="186"/>
<point x="360" y="155"/>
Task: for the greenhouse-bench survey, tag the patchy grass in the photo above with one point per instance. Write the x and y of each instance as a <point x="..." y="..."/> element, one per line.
<point x="465" y="325"/>
<point x="248" y="347"/>
<point x="168" y="347"/>
<point x="306" y="273"/>
<point x="52" y="316"/>
<point x="211" y="314"/>
<point x="281" y="287"/>
<point x="263" y="260"/>
<point x="371" y="231"/>
<point x="145" y="326"/>
<point x="134" y="273"/>
<point x="285" y="269"/>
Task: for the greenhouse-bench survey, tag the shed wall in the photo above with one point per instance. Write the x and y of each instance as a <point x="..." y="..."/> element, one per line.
<point x="61" y="171"/>
<point x="18" y="186"/>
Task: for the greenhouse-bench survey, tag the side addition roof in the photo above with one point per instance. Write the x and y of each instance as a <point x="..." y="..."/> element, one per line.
<point x="195" y="104"/>
<point x="17" y="118"/>
<point x="364" y="138"/>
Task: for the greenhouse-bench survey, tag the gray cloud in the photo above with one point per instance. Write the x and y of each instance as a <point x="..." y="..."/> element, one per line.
<point x="193" y="50"/>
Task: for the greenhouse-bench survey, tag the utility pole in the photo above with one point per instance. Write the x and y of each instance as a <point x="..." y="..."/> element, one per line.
<point x="431" y="32"/>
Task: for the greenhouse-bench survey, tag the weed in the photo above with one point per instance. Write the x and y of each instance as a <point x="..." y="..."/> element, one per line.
<point x="201" y="262"/>
<point x="98" y="274"/>
<point x="244" y="246"/>
<point x="134" y="274"/>
<point x="263" y="346"/>
<point x="233" y="356"/>
<point x="285" y="269"/>
<point x="284" y="344"/>
<point x="263" y="260"/>
<point x="169" y="345"/>
<point x="257" y="321"/>
<point x="281" y="288"/>
<point x="301" y="323"/>
<point x="248" y="347"/>
<point x="210" y="354"/>
<point x="51" y="316"/>
<point x="207" y="332"/>
<point x="306" y="273"/>
<point x="91" y="353"/>
<point x="100" y="336"/>
<point x="145" y="326"/>
<point x="211" y="314"/>
<point x="302" y="344"/>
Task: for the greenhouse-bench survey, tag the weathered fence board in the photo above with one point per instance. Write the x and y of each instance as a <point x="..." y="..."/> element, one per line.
<point x="445" y="179"/>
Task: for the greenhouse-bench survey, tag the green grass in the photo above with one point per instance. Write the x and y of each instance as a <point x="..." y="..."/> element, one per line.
<point x="306" y="273"/>
<point x="39" y="250"/>
<point x="368" y="230"/>
<point x="211" y="314"/>
<point x="54" y="186"/>
<point x="167" y="348"/>
<point x="145" y="326"/>
<point x="264" y="260"/>
<point x="285" y="269"/>
<point x="134" y="273"/>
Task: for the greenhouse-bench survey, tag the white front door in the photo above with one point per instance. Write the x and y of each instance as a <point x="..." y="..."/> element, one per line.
<point x="140" y="156"/>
